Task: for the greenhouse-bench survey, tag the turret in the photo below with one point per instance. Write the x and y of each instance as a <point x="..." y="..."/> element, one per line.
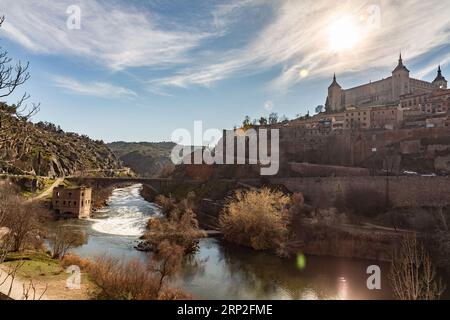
<point x="334" y="99"/>
<point x="440" y="82"/>
<point x="400" y="80"/>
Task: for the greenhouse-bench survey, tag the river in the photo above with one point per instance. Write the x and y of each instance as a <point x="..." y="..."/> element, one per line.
<point x="223" y="271"/>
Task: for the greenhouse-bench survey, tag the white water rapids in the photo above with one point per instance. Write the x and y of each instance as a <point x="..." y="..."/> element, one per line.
<point x="127" y="213"/>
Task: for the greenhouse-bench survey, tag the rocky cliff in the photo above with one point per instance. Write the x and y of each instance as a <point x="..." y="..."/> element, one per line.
<point x="46" y="150"/>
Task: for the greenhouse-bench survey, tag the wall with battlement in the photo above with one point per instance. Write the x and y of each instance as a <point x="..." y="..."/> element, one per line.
<point x="347" y="148"/>
<point x="404" y="191"/>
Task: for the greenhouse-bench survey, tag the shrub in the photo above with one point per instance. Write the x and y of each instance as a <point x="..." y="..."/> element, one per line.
<point x="167" y="204"/>
<point x="21" y="219"/>
<point x="179" y="226"/>
<point x="132" y="280"/>
<point x="116" y="282"/>
<point x="63" y="239"/>
<point x="412" y="275"/>
<point x="257" y="218"/>
<point x="72" y="259"/>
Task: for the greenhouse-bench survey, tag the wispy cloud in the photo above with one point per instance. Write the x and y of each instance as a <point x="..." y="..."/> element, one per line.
<point x="294" y="42"/>
<point x="117" y="36"/>
<point x="298" y="39"/>
<point x="225" y="15"/>
<point x="96" y="89"/>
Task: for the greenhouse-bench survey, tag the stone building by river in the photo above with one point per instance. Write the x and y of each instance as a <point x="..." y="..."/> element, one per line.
<point x="75" y="202"/>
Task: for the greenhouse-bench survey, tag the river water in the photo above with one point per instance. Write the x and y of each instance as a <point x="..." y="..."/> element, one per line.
<point x="223" y="271"/>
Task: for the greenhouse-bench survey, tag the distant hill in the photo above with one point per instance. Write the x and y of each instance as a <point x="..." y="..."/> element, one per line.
<point x="46" y="150"/>
<point x="147" y="159"/>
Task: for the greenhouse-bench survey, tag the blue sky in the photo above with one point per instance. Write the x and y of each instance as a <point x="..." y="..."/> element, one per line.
<point x="138" y="70"/>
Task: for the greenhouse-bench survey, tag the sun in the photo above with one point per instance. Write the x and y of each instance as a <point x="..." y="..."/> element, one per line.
<point x="344" y="33"/>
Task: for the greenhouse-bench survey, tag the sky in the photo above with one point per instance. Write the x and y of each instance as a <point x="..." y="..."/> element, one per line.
<point x="138" y="70"/>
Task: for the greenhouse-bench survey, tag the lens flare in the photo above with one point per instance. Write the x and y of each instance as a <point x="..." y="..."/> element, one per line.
<point x="303" y="73"/>
<point x="301" y="261"/>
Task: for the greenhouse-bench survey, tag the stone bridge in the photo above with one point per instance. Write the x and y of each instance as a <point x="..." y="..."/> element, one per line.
<point x="156" y="185"/>
<point x="403" y="191"/>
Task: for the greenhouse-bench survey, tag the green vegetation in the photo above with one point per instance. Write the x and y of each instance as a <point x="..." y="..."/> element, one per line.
<point x="35" y="264"/>
<point x="147" y="159"/>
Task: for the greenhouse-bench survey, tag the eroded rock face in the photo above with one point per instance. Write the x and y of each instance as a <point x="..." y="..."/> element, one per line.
<point x="48" y="151"/>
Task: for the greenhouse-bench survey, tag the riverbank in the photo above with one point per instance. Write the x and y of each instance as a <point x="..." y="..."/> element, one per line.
<point x="46" y="275"/>
<point x="219" y="270"/>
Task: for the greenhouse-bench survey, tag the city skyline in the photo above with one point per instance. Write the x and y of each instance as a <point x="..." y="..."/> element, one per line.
<point x="210" y="61"/>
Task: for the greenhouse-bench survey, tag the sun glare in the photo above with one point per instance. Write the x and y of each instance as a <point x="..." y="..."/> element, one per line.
<point x="344" y="34"/>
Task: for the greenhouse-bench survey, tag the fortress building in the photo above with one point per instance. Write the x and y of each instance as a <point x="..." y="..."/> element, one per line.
<point x="382" y="92"/>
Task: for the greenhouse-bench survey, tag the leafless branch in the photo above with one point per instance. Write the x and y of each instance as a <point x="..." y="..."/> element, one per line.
<point x="32" y="288"/>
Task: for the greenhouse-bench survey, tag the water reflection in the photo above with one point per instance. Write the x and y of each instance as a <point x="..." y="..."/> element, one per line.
<point x="222" y="271"/>
<point x="237" y="273"/>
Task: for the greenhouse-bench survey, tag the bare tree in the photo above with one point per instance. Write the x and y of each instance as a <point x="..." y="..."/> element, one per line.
<point x="12" y="76"/>
<point x="30" y="291"/>
<point x="24" y="226"/>
<point x="63" y="239"/>
<point x="167" y="262"/>
<point x="7" y="203"/>
<point x="115" y="281"/>
<point x="412" y="276"/>
<point x="11" y="276"/>
<point x="18" y="220"/>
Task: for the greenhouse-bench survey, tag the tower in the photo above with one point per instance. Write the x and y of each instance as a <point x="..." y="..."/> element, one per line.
<point x="334" y="99"/>
<point x="440" y="82"/>
<point x="400" y="80"/>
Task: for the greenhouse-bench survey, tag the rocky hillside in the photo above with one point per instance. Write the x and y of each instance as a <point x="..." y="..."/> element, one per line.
<point x="46" y="150"/>
<point x="147" y="159"/>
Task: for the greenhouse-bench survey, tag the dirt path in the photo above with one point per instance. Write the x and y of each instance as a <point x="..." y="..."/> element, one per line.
<point x="49" y="190"/>
<point x="54" y="288"/>
<point x="17" y="288"/>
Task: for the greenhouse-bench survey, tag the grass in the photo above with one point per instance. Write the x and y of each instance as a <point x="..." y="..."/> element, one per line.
<point x="45" y="271"/>
<point x="46" y="182"/>
<point x="36" y="265"/>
